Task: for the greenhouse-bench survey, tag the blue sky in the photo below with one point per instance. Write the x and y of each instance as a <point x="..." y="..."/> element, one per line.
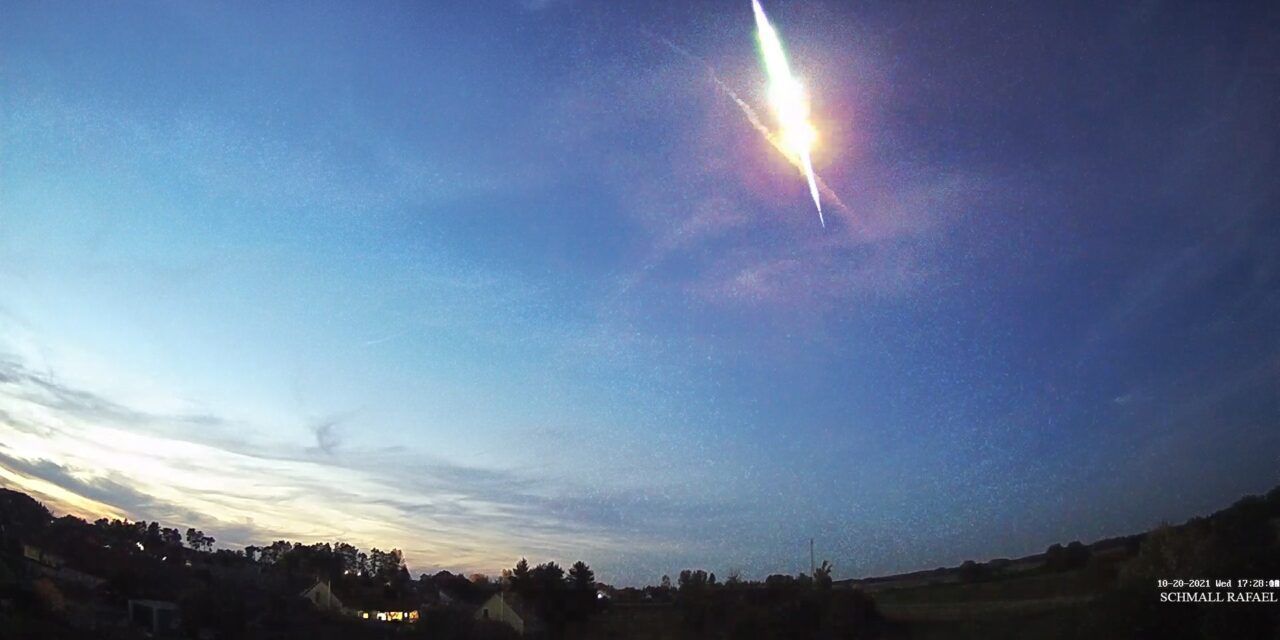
<point x="518" y="279"/>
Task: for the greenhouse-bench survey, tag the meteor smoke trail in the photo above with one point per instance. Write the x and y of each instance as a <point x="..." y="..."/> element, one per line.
<point x="789" y="102"/>
<point x="754" y="119"/>
<point x="749" y="112"/>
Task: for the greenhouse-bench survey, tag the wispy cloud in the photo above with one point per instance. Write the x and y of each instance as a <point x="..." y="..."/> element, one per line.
<point x="326" y="432"/>
<point x="89" y="455"/>
<point x="724" y="218"/>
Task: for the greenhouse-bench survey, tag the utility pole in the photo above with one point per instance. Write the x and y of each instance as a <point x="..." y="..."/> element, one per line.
<point x="812" y="567"/>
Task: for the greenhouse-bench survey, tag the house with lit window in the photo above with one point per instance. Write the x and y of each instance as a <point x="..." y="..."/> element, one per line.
<point x="321" y="596"/>
<point x="396" y="615"/>
<point x="383" y="608"/>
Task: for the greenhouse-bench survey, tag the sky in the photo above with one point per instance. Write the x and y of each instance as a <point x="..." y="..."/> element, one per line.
<point x="500" y="279"/>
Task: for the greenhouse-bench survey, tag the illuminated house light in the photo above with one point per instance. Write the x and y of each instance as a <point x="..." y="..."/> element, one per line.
<point x="390" y="616"/>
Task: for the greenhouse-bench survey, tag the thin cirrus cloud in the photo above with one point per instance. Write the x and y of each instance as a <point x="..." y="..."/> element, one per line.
<point x="722" y="219"/>
<point x="88" y="455"/>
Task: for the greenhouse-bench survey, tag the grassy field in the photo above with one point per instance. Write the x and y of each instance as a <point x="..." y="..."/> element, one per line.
<point x="1033" y="604"/>
<point x="634" y="622"/>
<point x="1057" y="624"/>
<point x="1036" y="605"/>
<point x="1070" y="585"/>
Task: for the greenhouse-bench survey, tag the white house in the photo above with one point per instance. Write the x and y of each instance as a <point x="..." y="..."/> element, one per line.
<point x="509" y="609"/>
<point x="322" y="597"/>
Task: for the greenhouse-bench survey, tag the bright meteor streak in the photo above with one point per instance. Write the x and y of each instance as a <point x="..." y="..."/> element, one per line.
<point x="790" y="104"/>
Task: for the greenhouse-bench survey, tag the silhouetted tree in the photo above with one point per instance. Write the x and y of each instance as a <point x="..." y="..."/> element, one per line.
<point x="385" y="566"/>
<point x="273" y="552"/>
<point x="198" y="541"/>
<point x="582" y="600"/>
<point x="971" y="571"/>
<point x="153" y="540"/>
<point x="822" y="575"/>
<point x="547" y="577"/>
<point x="21" y="516"/>
<point x="691" y="581"/>
<point x="520" y="576"/>
<point x="1073" y="556"/>
<point x="171" y="538"/>
<point x="581" y="577"/>
<point x="348" y="557"/>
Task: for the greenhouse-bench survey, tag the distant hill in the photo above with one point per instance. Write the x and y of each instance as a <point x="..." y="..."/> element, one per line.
<point x="1109" y="589"/>
<point x="1255" y="509"/>
<point x="21" y="515"/>
<point x="1120" y="546"/>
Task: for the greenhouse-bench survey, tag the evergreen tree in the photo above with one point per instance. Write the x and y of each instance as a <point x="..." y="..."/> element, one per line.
<point x="581" y="577"/>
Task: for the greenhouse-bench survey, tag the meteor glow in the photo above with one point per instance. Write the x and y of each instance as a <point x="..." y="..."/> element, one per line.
<point x="790" y="104"/>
